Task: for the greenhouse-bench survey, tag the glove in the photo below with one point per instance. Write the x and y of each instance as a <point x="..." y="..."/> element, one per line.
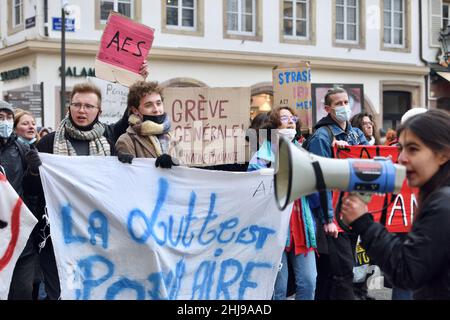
<point x="3" y="224"/>
<point x="165" y="161"/>
<point x="33" y="161"/>
<point x="125" y="157"/>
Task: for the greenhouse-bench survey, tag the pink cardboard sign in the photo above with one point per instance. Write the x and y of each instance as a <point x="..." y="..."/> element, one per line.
<point x="125" y="43"/>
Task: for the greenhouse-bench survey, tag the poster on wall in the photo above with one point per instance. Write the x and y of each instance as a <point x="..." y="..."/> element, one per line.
<point x="319" y="90"/>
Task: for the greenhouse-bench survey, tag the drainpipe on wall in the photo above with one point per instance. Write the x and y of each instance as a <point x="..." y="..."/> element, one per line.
<point x="421" y="56"/>
<point x="46" y="18"/>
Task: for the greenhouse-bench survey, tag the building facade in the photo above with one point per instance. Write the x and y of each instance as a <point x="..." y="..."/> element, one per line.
<point x="386" y="46"/>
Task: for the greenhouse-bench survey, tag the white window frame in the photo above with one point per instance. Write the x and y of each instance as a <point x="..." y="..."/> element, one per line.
<point x="239" y="13"/>
<point x="445" y="4"/>
<point x="116" y="8"/>
<point x="392" y="12"/>
<point x="345" y="22"/>
<point x="180" y="7"/>
<point x="294" y="20"/>
<point x="16" y="23"/>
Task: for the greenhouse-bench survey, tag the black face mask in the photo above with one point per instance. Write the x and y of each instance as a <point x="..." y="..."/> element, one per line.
<point x="84" y="128"/>
<point x="156" y="119"/>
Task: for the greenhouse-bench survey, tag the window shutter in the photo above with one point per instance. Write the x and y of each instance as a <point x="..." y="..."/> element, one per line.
<point x="435" y="8"/>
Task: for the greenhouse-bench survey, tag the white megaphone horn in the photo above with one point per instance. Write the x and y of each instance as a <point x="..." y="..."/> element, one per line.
<point x="297" y="174"/>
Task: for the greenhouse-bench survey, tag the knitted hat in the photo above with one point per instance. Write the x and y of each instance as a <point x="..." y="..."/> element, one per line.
<point x="6" y="106"/>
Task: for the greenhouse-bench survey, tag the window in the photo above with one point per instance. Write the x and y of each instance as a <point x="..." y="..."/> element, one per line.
<point x="241" y="17"/>
<point x="445" y="15"/>
<point x="15" y="16"/>
<point x="124" y="7"/>
<point x="347" y="20"/>
<point x="128" y="8"/>
<point x="295" y="18"/>
<point x="395" y="104"/>
<point x="181" y="14"/>
<point x="17" y="13"/>
<point x="397" y="98"/>
<point x="183" y="17"/>
<point x="438" y="18"/>
<point x="394" y="23"/>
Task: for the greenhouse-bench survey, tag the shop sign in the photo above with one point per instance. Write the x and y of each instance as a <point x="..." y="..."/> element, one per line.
<point x="78" y="73"/>
<point x="15" y="74"/>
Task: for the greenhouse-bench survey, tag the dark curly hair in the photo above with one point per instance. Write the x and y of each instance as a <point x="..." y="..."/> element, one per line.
<point x="139" y="90"/>
<point x="274" y="121"/>
<point x="357" y="120"/>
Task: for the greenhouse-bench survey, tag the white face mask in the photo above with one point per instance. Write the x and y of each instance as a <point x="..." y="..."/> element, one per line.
<point x="6" y="128"/>
<point x="343" y="113"/>
<point x="288" y="133"/>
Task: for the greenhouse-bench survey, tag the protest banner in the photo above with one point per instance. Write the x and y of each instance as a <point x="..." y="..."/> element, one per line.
<point x="292" y="88"/>
<point x="124" y="46"/>
<point x="150" y="233"/>
<point x="208" y="124"/>
<point x="114" y="99"/>
<point x="396" y="212"/>
<point x="17" y="222"/>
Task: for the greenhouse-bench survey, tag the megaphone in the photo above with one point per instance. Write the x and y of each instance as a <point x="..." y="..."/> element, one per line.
<point x="297" y="170"/>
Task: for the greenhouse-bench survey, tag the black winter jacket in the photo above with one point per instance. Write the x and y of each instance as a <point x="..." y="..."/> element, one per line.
<point x="421" y="262"/>
<point x="13" y="162"/>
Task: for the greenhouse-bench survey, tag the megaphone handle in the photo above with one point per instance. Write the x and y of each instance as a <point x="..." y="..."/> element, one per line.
<point x="366" y="197"/>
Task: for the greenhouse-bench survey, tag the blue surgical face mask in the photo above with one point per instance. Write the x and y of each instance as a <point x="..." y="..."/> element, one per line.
<point x="6" y="128"/>
<point x="26" y="141"/>
<point x="343" y="113"/>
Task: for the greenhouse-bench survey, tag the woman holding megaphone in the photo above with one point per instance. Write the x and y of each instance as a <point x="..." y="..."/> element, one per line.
<point x="420" y="262"/>
<point x="301" y="241"/>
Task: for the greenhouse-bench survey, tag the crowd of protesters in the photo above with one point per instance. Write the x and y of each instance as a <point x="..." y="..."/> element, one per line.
<point x="318" y="257"/>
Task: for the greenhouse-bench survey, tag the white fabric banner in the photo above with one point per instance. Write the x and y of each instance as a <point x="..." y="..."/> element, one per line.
<point x="125" y="231"/>
<point x="17" y="222"/>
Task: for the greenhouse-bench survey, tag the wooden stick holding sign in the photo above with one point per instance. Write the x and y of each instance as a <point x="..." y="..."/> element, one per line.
<point x="124" y="47"/>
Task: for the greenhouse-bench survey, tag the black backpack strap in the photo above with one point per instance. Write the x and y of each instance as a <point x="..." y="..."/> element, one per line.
<point x="331" y="136"/>
<point x="322" y="188"/>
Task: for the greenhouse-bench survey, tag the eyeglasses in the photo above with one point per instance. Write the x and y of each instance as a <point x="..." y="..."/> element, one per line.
<point x="78" y="105"/>
<point x="285" y="119"/>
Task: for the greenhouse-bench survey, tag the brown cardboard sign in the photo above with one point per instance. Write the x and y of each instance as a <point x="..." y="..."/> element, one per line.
<point x="292" y="88"/>
<point x="208" y="124"/>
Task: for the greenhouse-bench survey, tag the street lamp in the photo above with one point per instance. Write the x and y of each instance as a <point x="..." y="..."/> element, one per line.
<point x="445" y="43"/>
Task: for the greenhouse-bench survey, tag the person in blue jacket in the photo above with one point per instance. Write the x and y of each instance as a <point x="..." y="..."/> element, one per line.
<point x="335" y="264"/>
